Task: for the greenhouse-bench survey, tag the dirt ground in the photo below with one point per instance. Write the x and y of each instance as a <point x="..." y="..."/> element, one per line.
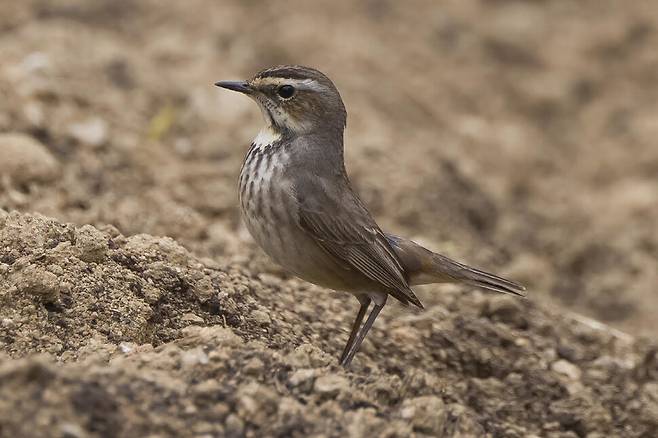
<point x="516" y="136"/>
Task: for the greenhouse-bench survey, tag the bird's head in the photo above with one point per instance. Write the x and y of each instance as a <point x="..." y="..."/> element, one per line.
<point x="294" y="99"/>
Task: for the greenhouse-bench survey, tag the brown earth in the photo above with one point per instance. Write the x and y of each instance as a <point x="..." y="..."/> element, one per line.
<point x="516" y="136"/>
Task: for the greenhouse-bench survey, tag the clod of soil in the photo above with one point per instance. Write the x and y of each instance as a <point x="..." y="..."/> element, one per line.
<point x="107" y="335"/>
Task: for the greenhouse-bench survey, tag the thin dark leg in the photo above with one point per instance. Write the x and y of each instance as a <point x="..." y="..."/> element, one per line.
<point x="365" y="303"/>
<point x="362" y="334"/>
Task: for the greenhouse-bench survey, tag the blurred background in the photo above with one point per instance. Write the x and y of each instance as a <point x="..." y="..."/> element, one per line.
<point x="517" y="136"/>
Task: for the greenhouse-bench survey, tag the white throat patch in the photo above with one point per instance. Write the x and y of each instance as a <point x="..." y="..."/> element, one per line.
<point x="267" y="135"/>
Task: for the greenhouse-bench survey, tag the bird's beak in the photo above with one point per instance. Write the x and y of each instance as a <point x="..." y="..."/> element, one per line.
<point x="239" y="86"/>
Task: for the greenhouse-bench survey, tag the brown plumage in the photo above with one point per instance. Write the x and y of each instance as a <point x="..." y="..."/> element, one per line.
<point x="298" y="203"/>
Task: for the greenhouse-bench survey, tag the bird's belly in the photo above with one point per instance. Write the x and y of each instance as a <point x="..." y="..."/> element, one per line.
<point x="269" y="213"/>
<point x="287" y="245"/>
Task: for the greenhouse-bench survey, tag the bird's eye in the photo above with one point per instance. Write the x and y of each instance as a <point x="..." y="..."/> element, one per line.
<point x="285" y="91"/>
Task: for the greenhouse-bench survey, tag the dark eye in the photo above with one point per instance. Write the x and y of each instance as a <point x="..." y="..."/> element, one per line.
<point x="286" y="91"/>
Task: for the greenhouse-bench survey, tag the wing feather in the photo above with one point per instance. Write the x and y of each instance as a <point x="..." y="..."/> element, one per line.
<point x="358" y="242"/>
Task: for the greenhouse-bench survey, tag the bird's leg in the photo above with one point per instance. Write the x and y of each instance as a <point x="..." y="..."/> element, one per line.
<point x="365" y="303"/>
<point x="362" y="334"/>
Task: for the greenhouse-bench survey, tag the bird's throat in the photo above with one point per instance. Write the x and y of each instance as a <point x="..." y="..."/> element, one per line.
<point x="268" y="135"/>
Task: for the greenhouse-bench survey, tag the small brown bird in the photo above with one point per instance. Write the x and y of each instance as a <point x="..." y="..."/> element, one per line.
<point x="299" y="205"/>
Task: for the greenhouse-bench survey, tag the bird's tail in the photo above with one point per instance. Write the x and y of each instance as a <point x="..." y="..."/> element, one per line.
<point x="423" y="266"/>
<point x="475" y="277"/>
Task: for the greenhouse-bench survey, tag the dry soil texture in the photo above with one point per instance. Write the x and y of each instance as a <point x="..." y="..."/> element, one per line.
<point x="516" y="136"/>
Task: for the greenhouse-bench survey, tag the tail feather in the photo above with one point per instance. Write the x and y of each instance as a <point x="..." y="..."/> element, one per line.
<point x="423" y="266"/>
<point x="476" y="277"/>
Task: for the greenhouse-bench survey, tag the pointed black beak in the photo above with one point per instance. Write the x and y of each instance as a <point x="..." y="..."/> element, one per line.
<point x="239" y="86"/>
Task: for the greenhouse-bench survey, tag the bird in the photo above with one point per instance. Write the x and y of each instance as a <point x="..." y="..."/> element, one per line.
<point x="299" y="205"/>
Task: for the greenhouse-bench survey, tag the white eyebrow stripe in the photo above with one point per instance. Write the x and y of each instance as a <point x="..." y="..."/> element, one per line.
<point x="307" y="83"/>
<point x="302" y="84"/>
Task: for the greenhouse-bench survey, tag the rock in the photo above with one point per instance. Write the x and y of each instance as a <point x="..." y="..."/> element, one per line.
<point x="254" y="366"/>
<point x="387" y="390"/>
<point x="143" y="244"/>
<point x="256" y="402"/>
<point x="91" y="132"/>
<point x="567" y="369"/>
<point x="234" y="426"/>
<point x="463" y="422"/>
<point x="427" y="414"/>
<point x="572" y="353"/>
<point x="71" y="430"/>
<point x="331" y="385"/>
<point x="215" y="334"/>
<point x="261" y="317"/>
<point x="190" y="358"/>
<point x="204" y="289"/>
<point x="364" y="423"/>
<point x="308" y="356"/>
<point x="92" y="243"/>
<point x="33" y="280"/>
<point x="126" y="347"/>
<point x="25" y="160"/>
<point x="302" y="379"/>
<point x="587" y="413"/>
<point x="507" y="309"/>
<point x="417" y="380"/>
<point x="192" y="318"/>
<point x="151" y="293"/>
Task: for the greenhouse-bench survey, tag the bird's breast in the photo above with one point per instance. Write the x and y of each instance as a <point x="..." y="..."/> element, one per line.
<point x="266" y="202"/>
<point x="262" y="181"/>
<point x="269" y="210"/>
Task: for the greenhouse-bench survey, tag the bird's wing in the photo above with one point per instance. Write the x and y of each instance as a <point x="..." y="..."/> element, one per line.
<point x="344" y="228"/>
